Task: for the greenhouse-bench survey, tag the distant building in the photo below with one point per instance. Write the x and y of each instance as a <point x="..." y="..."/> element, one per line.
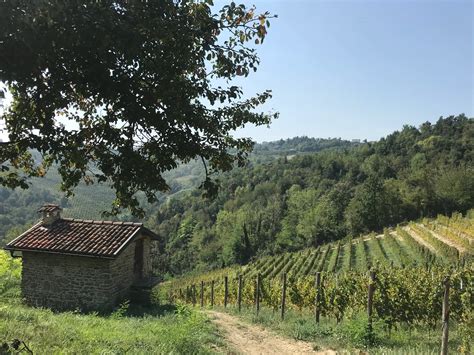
<point x="355" y="140"/>
<point x="82" y="264"/>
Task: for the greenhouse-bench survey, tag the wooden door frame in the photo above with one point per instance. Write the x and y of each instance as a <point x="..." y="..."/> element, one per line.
<point x="138" y="259"/>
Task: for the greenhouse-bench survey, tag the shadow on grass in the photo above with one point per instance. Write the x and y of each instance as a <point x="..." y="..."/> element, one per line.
<point x="129" y="309"/>
<point x="153" y="310"/>
<point x="125" y="309"/>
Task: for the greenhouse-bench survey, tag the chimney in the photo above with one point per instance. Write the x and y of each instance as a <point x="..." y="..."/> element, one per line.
<point x="51" y="213"/>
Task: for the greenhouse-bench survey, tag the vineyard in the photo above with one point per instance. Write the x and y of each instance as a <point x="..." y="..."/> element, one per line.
<point x="440" y="241"/>
<point x="409" y="295"/>
<point x="411" y="264"/>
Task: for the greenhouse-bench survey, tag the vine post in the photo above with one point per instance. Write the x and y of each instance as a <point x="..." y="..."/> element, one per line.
<point x="370" y="298"/>
<point x="318" y="296"/>
<point x="212" y="293"/>
<point x="193" y="290"/>
<point x="226" y="290"/>
<point x="283" y="296"/>
<point x="202" y="294"/>
<point x="445" y="317"/>
<point x="239" y="294"/>
<point x="257" y="294"/>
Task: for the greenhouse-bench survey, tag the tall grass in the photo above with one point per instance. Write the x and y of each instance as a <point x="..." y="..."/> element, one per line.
<point x="47" y="332"/>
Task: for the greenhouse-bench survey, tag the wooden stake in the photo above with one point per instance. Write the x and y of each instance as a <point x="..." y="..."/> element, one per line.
<point x="194" y="294"/>
<point x="239" y="294"/>
<point x="226" y="291"/>
<point x="283" y="297"/>
<point x="257" y="294"/>
<point x="445" y="318"/>
<point x="318" y="296"/>
<point x="212" y="293"/>
<point x="370" y="298"/>
<point x="202" y="293"/>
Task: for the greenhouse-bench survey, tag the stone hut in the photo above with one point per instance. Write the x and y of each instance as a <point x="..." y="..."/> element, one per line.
<point x="73" y="264"/>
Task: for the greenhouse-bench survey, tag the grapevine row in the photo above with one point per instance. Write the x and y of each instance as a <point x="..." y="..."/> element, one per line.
<point x="409" y="296"/>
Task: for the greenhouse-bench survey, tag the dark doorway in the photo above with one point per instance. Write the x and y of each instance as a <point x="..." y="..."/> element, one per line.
<point x="138" y="264"/>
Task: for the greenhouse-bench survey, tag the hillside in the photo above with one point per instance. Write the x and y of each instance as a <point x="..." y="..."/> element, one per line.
<point x="293" y="194"/>
<point x="18" y="207"/>
<point x="442" y="241"/>
<point x="288" y="205"/>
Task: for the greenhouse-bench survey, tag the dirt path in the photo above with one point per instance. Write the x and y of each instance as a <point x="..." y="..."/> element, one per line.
<point x="420" y="239"/>
<point x="251" y="339"/>
<point x="447" y="241"/>
<point x="461" y="234"/>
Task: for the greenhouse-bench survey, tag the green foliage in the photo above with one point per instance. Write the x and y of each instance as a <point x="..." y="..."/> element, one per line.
<point x="448" y="252"/>
<point x="300" y="145"/>
<point x="121" y="310"/>
<point x="48" y="332"/>
<point x="134" y="111"/>
<point x="10" y="273"/>
<point x="18" y="210"/>
<point x="454" y="189"/>
<point x="360" y="333"/>
<point x="409" y="282"/>
<point x="373" y="206"/>
<point x="296" y="234"/>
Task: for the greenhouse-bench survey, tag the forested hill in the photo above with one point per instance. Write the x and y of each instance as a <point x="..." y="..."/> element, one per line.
<point x="289" y="204"/>
<point x="298" y="145"/>
<point x="293" y="194"/>
<point x="18" y="208"/>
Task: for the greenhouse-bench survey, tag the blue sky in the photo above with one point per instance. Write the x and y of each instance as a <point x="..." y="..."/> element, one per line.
<point x="362" y="69"/>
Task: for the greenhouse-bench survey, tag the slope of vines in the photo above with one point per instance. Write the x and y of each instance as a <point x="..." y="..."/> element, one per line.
<point x="404" y="247"/>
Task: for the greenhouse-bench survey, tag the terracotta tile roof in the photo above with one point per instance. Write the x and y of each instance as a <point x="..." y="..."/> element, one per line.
<point x="77" y="236"/>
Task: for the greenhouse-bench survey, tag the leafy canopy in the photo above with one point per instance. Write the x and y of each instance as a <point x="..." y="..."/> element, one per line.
<point x="144" y="84"/>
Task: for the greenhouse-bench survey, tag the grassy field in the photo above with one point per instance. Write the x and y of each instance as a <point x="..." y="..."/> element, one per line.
<point x="45" y="332"/>
<point x="131" y="330"/>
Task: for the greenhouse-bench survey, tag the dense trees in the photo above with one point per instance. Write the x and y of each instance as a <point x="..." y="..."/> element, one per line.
<point x="289" y="204"/>
<point x="16" y="213"/>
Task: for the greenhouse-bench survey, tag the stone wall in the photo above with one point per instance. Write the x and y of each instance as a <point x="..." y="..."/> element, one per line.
<point x="66" y="282"/>
<point x="121" y="273"/>
<point x="147" y="265"/>
<point x="121" y="269"/>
